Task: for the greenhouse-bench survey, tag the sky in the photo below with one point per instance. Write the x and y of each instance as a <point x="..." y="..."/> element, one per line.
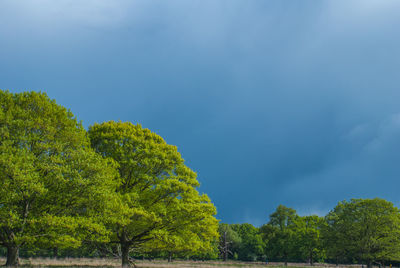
<point x="269" y="101"/>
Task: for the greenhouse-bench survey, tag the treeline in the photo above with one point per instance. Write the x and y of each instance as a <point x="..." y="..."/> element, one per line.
<point x="115" y="190"/>
<point x="364" y="231"/>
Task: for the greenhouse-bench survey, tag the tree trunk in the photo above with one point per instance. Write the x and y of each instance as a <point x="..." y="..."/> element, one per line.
<point x="286" y="258"/>
<point x="55" y="253"/>
<point x="311" y="258"/>
<point x="169" y="257"/>
<point x="12" y="256"/>
<point x="225" y="249"/>
<point x="369" y="264"/>
<point x="125" y="255"/>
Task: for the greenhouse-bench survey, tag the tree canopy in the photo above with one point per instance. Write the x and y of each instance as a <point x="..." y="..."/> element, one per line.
<point x="54" y="187"/>
<point x="279" y="233"/>
<point x="158" y="191"/>
<point x="366" y="229"/>
<point x="309" y="238"/>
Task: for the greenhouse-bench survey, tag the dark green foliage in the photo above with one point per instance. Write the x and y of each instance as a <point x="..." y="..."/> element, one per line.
<point x="363" y="230"/>
<point x="280" y="235"/>
<point x="229" y="241"/>
<point x="242" y="242"/>
<point x="252" y="246"/>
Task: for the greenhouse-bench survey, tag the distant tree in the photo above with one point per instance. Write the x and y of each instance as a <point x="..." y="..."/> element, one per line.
<point x="279" y="234"/>
<point x="308" y="232"/>
<point x="334" y="236"/>
<point x="161" y="204"/>
<point x="251" y="246"/>
<point x="229" y="239"/>
<point x="366" y="228"/>
<point x="54" y="187"/>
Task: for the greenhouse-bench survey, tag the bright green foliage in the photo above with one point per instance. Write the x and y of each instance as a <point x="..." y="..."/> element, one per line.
<point x="191" y="228"/>
<point x="367" y="229"/>
<point x="308" y="232"/>
<point x="51" y="181"/>
<point x="280" y="234"/>
<point x="162" y="208"/>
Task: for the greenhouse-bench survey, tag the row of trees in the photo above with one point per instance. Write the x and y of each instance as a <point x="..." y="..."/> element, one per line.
<point x="363" y="231"/>
<point x="117" y="187"/>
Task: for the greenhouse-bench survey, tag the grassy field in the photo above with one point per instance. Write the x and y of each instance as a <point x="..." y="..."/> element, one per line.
<point x="97" y="262"/>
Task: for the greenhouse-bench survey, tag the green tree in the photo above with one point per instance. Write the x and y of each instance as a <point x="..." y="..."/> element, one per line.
<point x="334" y="236"/>
<point x="279" y="234"/>
<point x="368" y="228"/>
<point x="252" y="245"/>
<point x="308" y="231"/>
<point x="229" y="241"/>
<point x="53" y="185"/>
<point x="190" y="231"/>
<point x="158" y="190"/>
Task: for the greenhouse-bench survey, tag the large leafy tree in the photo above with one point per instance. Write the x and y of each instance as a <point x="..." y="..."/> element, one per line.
<point x="190" y="230"/>
<point x="308" y="232"/>
<point x="54" y="187"/>
<point x="334" y="236"/>
<point x="252" y="245"/>
<point x="158" y="192"/>
<point x="280" y="234"/>
<point x="368" y="229"/>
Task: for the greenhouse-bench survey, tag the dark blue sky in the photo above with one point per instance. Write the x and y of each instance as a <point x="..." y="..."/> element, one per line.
<point x="271" y="102"/>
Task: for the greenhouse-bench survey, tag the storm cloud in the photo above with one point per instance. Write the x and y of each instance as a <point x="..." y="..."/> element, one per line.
<point x="270" y="102"/>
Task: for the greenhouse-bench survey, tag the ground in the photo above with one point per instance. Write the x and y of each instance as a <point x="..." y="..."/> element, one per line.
<point x="97" y="262"/>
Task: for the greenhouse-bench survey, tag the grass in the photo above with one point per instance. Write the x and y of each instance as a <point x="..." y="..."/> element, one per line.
<point x="111" y="263"/>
